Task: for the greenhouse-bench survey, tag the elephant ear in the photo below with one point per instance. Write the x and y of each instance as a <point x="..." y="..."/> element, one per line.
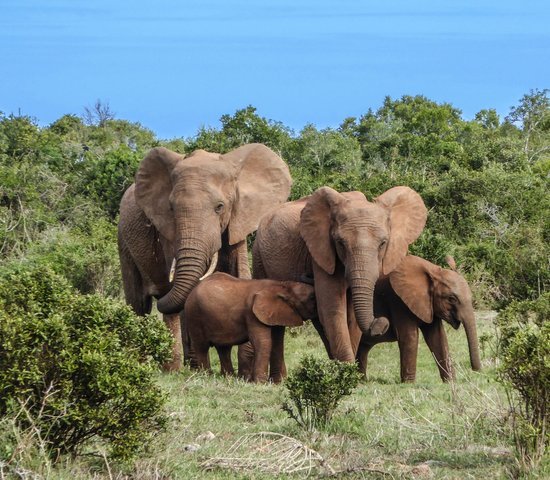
<point x="153" y="188"/>
<point x="408" y="215"/>
<point x="412" y="282"/>
<point x="271" y="308"/>
<point x="263" y="181"/>
<point x="315" y="223"/>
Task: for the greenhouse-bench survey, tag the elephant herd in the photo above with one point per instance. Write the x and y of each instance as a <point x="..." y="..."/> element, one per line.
<point x="333" y="257"/>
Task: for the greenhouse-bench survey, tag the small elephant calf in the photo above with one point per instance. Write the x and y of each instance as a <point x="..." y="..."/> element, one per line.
<point x="223" y="311"/>
<point x="419" y="295"/>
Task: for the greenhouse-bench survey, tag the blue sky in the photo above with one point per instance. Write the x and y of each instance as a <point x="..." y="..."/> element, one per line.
<point x="177" y="65"/>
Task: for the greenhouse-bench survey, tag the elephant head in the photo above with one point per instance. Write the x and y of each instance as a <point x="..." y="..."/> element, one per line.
<point x="366" y="238"/>
<point x="285" y="304"/>
<point x="193" y="201"/>
<point x="430" y="292"/>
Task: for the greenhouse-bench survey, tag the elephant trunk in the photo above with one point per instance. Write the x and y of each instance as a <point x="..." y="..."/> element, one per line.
<point x="362" y="280"/>
<point x="471" y="335"/>
<point x="191" y="264"/>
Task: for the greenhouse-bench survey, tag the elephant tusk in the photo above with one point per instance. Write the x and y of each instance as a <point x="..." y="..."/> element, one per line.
<point x="172" y="271"/>
<point x="210" y="271"/>
<point x="212" y="267"/>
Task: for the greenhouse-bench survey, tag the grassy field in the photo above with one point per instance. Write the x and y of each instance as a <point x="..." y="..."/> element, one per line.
<point x="385" y="429"/>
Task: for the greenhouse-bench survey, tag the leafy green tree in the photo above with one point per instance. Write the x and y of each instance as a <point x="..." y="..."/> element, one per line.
<point x="533" y="116"/>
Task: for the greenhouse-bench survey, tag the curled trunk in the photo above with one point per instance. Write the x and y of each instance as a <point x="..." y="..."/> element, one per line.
<point x="191" y="264"/>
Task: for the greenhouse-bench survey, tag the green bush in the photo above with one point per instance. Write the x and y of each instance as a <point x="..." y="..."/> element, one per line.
<point x="316" y="387"/>
<point x="525" y="371"/>
<point x="80" y="367"/>
<point x="86" y="255"/>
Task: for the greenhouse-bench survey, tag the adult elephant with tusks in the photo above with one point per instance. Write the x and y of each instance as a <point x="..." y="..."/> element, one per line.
<point x="343" y="242"/>
<point x="186" y="214"/>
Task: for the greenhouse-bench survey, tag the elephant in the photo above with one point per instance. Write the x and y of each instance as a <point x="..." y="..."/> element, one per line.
<point x="182" y="211"/>
<point x="342" y="242"/>
<point x="419" y="295"/>
<point x="224" y="311"/>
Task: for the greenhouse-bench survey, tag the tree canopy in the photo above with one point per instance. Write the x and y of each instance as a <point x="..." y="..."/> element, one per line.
<point x="485" y="182"/>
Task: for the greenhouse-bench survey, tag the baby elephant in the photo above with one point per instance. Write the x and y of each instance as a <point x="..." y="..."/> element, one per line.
<point x="419" y="295"/>
<point x="223" y="311"/>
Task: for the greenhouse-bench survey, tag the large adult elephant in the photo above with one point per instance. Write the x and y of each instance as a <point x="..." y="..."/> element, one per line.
<point x="342" y="241"/>
<point x="186" y="209"/>
<point x="420" y="295"/>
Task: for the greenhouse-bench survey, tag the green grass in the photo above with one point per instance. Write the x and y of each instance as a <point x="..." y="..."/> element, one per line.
<point x="385" y="429"/>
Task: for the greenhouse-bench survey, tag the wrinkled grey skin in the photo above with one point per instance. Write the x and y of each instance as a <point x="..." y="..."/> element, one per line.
<point x="187" y="209"/>
<point x="419" y="295"/>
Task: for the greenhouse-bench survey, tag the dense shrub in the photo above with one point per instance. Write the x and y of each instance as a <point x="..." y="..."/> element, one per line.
<point x="525" y="370"/>
<point x="86" y="255"/>
<point x="80" y="366"/>
<point x="316" y="387"/>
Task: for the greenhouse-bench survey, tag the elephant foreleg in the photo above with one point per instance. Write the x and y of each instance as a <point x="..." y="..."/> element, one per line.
<point x="189" y="354"/>
<point x="225" y="360"/>
<point x="436" y="339"/>
<point x="362" y="357"/>
<point x="324" y="339"/>
<point x="233" y="259"/>
<point x="173" y="323"/>
<point x="408" y="351"/>
<point x="260" y="337"/>
<point x="245" y="358"/>
<point x="330" y="291"/>
<point x="277" y="367"/>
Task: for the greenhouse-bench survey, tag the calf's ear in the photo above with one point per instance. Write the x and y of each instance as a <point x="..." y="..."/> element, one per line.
<point x="271" y="308"/>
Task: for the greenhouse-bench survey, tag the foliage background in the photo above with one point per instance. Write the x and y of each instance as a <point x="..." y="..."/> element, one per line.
<point x="485" y="182"/>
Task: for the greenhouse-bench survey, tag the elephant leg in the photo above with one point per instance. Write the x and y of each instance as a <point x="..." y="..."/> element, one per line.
<point x="233" y="259"/>
<point x="132" y="281"/>
<point x="202" y="358"/>
<point x="173" y="323"/>
<point x="408" y="351"/>
<point x="330" y="291"/>
<point x="277" y="367"/>
<point x="436" y="339"/>
<point x="189" y="357"/>
<point x="225" y="360"/>
<point x="362" y="357"/>
<point x="321" y="332"/>
<point x="260" y="336"/>
<point x="245" y="357"/>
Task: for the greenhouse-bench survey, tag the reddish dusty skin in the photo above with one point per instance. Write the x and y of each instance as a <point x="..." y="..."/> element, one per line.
<point x="223" y="311"/>
<point x="419" y="295"/>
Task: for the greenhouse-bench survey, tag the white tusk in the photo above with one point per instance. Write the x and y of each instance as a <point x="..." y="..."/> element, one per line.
<point x="210" y="271"/>
<point x="172" y="271"/>
<point x="212" y="267"/>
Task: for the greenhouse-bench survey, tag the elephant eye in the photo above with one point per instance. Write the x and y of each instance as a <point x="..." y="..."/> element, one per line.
<point x="382" y="244"/>
<point x="453" y="299"/>
<point x="219" y="207"/>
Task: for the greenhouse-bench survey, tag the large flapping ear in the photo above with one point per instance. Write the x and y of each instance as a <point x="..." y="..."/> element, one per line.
<point x="315" y="222"/>
<point x="408" y="216"/>
<point x="153" y="188"/>
<point x="271" y="308"/>
<point x="412" y="282"/>
<point x="263" y="182"/>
